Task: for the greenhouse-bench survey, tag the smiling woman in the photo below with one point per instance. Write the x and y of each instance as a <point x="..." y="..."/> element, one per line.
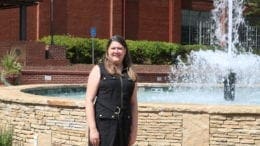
<point x="111" y="98"/>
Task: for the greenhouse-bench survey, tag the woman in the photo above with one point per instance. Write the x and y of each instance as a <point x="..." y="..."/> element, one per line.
<point x="111" y="102"/>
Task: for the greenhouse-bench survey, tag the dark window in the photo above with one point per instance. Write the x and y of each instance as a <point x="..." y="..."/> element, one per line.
<point x="195" y="27"/>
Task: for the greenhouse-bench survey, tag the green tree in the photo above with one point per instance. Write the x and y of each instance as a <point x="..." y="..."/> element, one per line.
<point x="253" y="11"/>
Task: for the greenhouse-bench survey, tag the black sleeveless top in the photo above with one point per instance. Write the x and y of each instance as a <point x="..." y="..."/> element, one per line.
<point x="113" y="92"/>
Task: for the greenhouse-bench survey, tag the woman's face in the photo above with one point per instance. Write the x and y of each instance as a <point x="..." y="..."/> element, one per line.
<point x="116" y="53"/>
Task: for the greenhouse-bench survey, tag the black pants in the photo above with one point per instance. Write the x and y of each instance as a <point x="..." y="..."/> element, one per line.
<point x="111" y="134"/>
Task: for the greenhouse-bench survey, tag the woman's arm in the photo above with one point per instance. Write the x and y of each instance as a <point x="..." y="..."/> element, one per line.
<point x="134" y="107"/>
<point x="92" y="87"/>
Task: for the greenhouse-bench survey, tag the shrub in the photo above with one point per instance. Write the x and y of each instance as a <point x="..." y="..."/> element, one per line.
<point x="6" y="136"/>
<point x="79" y="50"/>
<point x="138" y="51"/>
<point x="11" y="66"/>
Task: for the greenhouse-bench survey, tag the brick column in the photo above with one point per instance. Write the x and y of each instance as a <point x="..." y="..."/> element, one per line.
<point x="175" y="21"/>
<point x="38" y="22"/>
<point x="117" y="17"/>
<point x="111" y="17"/>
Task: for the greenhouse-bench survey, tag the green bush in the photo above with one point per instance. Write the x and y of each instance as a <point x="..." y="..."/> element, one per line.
<point x="6" y="136"/>
<point x="10" y="63"/>
<point x="79" y="50"/>
<point x="138" y="52"/>
<point x="148" y="52"/>
<point x="256" y="51"/>
<point x="11" y="67"/>
<point x="163" y="52"/>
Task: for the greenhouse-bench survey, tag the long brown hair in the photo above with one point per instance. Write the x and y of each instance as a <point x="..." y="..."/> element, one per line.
<point x="127" y="61"/>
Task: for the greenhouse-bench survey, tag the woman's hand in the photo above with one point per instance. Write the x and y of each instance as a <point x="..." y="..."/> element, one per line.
<point x="94" y="137"/>
<point x="134" y="125"/>
<point x="132" y="139"/>
<point x="92" y="87"/>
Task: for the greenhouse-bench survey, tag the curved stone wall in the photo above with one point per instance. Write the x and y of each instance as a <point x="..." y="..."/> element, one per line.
<point x="51" y="121"/>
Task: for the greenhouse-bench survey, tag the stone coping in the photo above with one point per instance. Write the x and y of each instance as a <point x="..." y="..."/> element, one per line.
<point x="13" y="94"/>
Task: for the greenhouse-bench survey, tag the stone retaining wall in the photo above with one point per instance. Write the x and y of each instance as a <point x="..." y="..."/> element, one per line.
<point x="64" y="125"/>
<point x="62" y="122"/>
<point x="235" y="129"/>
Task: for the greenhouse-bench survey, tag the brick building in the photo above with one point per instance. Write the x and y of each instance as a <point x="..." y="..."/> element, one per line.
<point x="135" y="19"/>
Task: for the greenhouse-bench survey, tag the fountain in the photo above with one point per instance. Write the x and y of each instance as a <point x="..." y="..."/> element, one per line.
<point x="229" y="64"/>
<point x="229" y="86"/>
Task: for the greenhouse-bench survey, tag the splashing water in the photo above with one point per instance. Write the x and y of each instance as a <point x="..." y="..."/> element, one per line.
<point x="227" y="17"/>
<point x="212" y="67"/>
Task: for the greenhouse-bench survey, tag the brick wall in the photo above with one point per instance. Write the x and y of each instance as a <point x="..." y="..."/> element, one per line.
<point x="53" y="77"/>
<point x="201" y="5"/>
<point x="44" y="18"/>
<point x="144" y="20"/>
<point x="67" y="76"/>
<point x="36" y="55"/>
<point x="60" y="15"/>
<point x="82" y="15"/>
<point x="33" y="53"/>
<point x="175" y="21"/>
<point x="198" y="5"/>
<point x="77" y="74"/>
<point x="9" y="23"/>
<point x="132" y="21"/>
<point x="153" y="20"/>
<point x="32" y="29"/>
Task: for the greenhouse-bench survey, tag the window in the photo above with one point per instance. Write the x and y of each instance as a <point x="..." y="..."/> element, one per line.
<point x="195" y="27"/>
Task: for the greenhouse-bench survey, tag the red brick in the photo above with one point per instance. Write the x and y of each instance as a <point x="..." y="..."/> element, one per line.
<point x="144" y="19"/>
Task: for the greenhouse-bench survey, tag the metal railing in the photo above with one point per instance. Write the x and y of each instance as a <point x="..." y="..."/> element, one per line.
<point x="197" y="29"/>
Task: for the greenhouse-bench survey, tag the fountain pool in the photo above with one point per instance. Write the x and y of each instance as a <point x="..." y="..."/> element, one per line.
<point x="163" y="93"/>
